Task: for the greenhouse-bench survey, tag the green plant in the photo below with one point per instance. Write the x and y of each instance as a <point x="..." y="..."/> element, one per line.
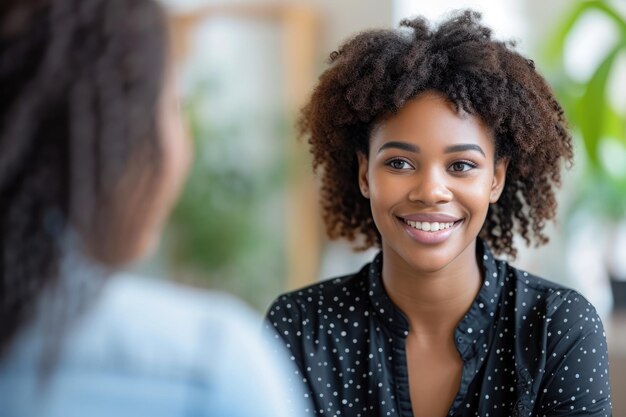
<point x="600" y="126"/>
<point x="225" y="232"/>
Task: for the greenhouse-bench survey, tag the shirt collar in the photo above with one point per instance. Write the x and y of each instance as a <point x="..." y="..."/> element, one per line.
<point x="473" y="330"/>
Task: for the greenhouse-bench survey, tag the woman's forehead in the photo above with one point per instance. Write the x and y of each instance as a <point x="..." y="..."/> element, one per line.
<point x="433" y="119"/>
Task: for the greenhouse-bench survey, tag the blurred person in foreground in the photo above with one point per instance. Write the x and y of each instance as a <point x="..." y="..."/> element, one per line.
<point x="92" y="156"/>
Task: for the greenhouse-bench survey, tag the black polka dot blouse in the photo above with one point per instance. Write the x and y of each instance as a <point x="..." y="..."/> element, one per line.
<point x="529" y="347"/>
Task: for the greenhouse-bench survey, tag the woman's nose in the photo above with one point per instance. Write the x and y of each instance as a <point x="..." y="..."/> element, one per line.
<point x="430" y="188"/>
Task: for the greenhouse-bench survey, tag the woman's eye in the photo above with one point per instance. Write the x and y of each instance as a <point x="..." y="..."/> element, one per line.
<point x="462" y="166"/>
<point x="399" y="164"/>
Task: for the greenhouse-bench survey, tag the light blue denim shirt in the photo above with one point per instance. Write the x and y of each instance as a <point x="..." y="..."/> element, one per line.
<point x="147" y="348"/>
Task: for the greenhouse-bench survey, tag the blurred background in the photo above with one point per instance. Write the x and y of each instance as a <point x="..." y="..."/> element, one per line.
<point x="248" y="220"/>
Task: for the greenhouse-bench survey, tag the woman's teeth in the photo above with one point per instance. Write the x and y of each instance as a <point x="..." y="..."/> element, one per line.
<point x="429" y="227"/>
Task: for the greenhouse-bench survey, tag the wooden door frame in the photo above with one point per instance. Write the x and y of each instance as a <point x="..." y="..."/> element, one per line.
<point x="299" y="46"/>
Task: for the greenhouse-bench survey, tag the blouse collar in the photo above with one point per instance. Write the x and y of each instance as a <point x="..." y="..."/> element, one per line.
<point x="474" y="330"/>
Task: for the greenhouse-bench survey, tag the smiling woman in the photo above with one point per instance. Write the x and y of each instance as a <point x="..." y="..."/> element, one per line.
<point x="436" y="144"/>
<point x="432" y="187"/>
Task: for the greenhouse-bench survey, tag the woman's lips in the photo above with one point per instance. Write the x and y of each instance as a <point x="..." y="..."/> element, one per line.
<point x="430" y="231"/>
<point x="431" y="217"/>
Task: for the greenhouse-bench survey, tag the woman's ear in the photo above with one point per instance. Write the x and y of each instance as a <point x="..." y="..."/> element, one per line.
<point x="499" y="179"/>
<point x="364" y="184"/>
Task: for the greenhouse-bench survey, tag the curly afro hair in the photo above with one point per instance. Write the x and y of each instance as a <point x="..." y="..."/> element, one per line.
<point x="375" y="73"/>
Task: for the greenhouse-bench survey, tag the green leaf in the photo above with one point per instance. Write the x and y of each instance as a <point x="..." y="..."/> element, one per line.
<point x="592" y="110"/>
<point x="556" y="45"/>
<point x="615" y="125"/>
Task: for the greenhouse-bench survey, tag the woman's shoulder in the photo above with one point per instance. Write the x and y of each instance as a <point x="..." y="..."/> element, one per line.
<point x="563" y="312"/>
<point x="139" y="325"/>
<point x="138" y="314"/>
<point x="557" y="323"/>
<point x="138" y="297"/>
<point x="141" y="336"/>
<point x="532" y="288"/>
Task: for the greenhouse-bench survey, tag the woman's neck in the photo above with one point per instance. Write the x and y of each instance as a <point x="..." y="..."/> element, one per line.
<point x="433" y="302"/>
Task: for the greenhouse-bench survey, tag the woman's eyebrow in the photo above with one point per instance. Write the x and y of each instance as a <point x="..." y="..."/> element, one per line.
<point x="464" y="147"/>
<point x="414" y="148"/>
<point x="400" y="145"/>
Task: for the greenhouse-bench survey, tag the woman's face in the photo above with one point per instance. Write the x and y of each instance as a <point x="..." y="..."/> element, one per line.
<point x="142" y="234"/>
<point x="430" y="176"/>
<point x="176" y="154"/>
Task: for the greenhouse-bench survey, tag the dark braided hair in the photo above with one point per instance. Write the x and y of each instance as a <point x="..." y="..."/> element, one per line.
<point x="80" y="81"/>
<point x="375" y="73"/>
